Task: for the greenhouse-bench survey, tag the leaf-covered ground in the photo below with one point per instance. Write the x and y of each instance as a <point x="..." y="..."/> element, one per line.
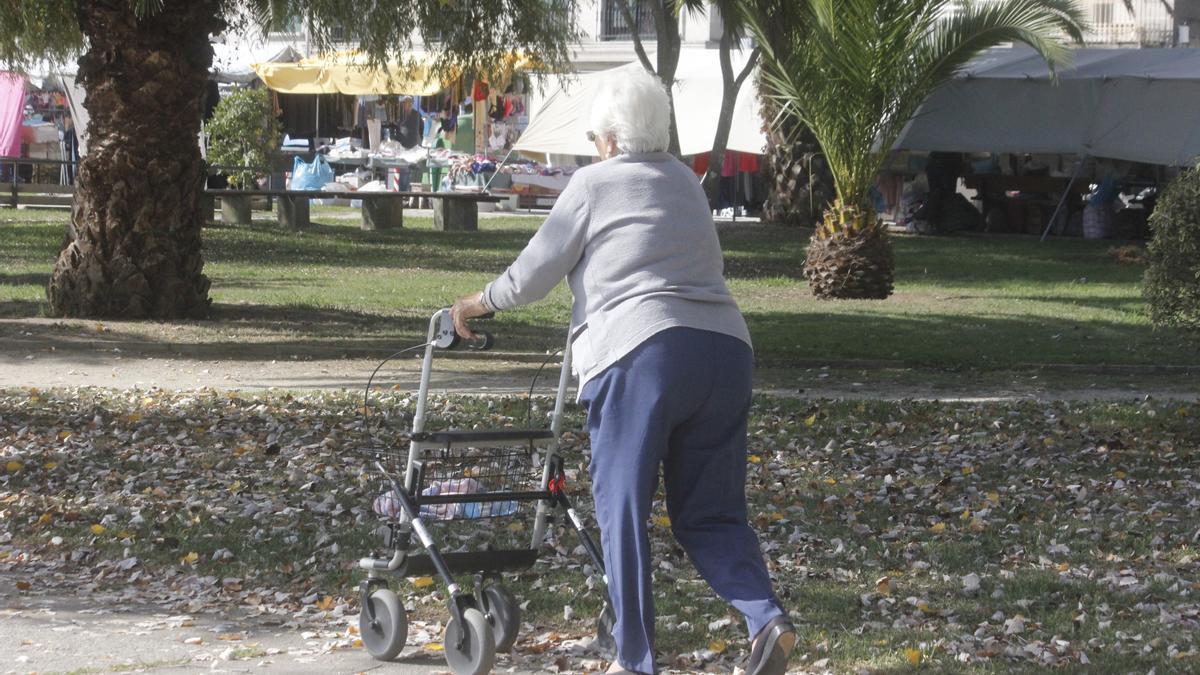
<point x="913" y="535"/>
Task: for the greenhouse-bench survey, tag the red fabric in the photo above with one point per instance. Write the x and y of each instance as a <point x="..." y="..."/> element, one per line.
<point x="747" y="163"/>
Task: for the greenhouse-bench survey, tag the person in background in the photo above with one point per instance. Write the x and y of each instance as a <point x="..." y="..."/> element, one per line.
<point x="408" y="127"/>
<point x="664" y="362"/>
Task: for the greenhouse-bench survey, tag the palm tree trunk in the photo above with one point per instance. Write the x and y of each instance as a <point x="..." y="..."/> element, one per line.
<point x="799" y="184"/>
<point x="134" y="246"/>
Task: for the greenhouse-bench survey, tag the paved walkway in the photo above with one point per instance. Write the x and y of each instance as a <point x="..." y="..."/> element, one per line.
<point x="73" y="353"/>
<point x="52" y="632"/>
<point x="27" y="364"/>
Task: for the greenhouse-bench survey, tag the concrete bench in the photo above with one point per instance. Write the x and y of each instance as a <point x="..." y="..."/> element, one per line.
<point x="380" y="210"/>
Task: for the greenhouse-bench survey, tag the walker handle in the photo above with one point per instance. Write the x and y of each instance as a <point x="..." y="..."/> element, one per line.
<point x="485" y="340"/>
<point x="445" y="337"/>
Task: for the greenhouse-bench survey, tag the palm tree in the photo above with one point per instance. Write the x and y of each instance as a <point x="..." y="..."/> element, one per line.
<point x="854" y="72"/>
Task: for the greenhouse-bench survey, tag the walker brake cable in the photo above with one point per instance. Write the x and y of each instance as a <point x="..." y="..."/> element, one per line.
<point x="529" y="396"/>
<point x="364" y="410"/>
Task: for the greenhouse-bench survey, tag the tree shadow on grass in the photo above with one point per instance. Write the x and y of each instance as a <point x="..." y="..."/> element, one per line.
<point x="975" y="261"/>
<point x="968" y="261"/>
<point x="41" y="280"/>
<point x="237" y="332"/>
<point x="483" y="251"/>
<point x="950" y="340"/>
<point x="21" y="309"/>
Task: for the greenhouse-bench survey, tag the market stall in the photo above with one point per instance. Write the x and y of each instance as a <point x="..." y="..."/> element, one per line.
<point x="36" y="123"/>
<point x="458" y="118"/>
<point x="1116" y="115"/>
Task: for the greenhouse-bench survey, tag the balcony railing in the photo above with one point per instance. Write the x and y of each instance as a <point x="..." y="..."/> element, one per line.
<point x="1130" y="33"/>
<point x="613" y="25"/>
<point x="1111" y="24"/>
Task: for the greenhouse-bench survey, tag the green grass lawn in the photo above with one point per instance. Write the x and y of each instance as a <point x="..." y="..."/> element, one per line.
<point x="981" y="302"/>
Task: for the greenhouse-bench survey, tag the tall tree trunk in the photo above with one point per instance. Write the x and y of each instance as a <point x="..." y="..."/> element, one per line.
<point x="730" y="86"/>
<point x="134" y="247"/>
<point x="666" y="28"/>
<point x="667" y="21"/>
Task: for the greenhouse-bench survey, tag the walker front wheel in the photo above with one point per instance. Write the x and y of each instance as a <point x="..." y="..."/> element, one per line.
<point x="384" y="637"/>
<point x="604" y="642"/>
<point x="503" y="614"/>
<point x="476" y="654"/>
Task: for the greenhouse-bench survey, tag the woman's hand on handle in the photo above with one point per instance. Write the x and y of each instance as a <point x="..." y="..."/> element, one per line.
<point x="465" y="308"/>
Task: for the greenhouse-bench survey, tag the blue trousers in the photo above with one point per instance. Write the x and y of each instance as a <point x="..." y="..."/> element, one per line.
<point x="679" y="401"/>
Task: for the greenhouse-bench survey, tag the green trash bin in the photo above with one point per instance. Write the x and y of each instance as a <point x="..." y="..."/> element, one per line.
<point x="435" y="172"/>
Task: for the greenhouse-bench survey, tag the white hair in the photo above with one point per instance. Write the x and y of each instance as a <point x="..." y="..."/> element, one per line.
<point x="633" y="107"/>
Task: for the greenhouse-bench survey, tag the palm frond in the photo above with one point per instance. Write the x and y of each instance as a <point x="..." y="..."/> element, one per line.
<point x="733" y="17"/>
<point x="682" y="7"/>
<point x="855" y="71"/>
<point x="143" y="8"/>
<point x="1037" y="23"/>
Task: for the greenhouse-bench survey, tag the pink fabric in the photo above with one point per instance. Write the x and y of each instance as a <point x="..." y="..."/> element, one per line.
<point x="12" y="106"/>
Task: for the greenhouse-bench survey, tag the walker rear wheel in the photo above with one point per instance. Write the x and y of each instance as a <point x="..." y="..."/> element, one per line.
<point x="384" y="637"/>
<point x="503" y="614"/>
<point x="477" y="653"/>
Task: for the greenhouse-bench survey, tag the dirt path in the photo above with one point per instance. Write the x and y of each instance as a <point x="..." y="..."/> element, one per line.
<point x="64" y="353"/>
<point x="60" y="631"/>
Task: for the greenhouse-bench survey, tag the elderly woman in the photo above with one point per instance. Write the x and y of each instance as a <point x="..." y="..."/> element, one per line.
<point x="664" y="363"/>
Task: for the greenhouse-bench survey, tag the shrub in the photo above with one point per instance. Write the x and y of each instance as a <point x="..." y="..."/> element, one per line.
<point x="243" y="132"/>
<point x="1172" y="284"/>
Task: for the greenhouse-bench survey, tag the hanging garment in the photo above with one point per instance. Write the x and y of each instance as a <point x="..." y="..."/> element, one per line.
<point x="728" y="164"/>
<point x="12" y="102"/>
<point x="374" y="133"/>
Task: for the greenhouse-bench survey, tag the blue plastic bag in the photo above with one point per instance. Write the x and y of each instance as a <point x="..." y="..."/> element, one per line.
<point x="311" y="175"/>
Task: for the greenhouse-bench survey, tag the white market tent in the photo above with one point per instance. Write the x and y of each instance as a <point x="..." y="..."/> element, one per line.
<point x="234" y="62"/>
<point x="560" y="124"/>
<point x="1140" y="105"/>
<point x="79" y="114"/>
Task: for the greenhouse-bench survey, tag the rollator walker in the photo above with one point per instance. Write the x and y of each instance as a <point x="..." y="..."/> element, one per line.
<point x="469" y="477"/>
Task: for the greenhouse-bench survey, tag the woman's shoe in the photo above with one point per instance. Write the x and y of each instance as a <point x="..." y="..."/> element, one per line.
<point x="772" y="646"/>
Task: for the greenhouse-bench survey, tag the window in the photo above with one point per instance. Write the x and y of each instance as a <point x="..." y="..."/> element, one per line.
<point x="613" y="25"/>
<point x="340" y="33"/>
<point x="291" y="26"/>
<point x="1102" y="13"/>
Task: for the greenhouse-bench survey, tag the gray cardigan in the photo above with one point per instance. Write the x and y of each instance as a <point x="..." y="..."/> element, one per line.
<point x="637" y="243"/>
